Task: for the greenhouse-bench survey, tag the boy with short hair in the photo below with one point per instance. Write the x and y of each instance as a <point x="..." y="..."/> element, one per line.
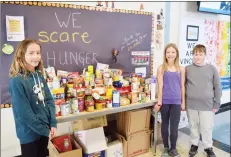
<point x="203" y="94"/>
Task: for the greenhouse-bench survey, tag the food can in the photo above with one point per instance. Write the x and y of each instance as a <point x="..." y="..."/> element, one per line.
<point x="74" y="106"/>
<point x="146" y="88"/>
<point x="57" y="110"/>
<point x="81" y="104"/>
<point x="109" y="104"/>
<point x="100" y="106"/>
<point x="89" y="105"/>
<point x="135" y="86"/>
<point x="142" y="96"/>
<point x="90" y="108"/>
<point x="65" y="109"/>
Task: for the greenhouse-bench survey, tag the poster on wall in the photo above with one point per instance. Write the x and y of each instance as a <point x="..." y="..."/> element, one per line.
<point x="211" y="40"/>
<point x="215" y="36"/>
<point x="15" y="28"/>
<point x="192" y="33"/>
<point x="140" y="57"/>
<point x="223" y="53"/>
<point x="189" y="38"/>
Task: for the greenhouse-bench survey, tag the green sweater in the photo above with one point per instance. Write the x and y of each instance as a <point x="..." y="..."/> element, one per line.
<point x="33" y="118"/>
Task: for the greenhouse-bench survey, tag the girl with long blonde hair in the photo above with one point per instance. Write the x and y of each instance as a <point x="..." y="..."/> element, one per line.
<point x="171" y="97"/>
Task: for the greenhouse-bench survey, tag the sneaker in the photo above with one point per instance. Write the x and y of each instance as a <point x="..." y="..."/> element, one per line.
<point x="193" y="150"/>
<point x="165" y="152"/>
<point x="173" y="153"/>
<point x="209" y="152"/>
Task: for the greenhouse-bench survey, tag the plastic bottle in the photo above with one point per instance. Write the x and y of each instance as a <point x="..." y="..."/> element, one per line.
<point x="153" y="88"/>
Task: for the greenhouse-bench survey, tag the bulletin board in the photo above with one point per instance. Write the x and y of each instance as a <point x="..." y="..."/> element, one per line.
<point x="215" y="35"/>
<point x="75" y="36"/>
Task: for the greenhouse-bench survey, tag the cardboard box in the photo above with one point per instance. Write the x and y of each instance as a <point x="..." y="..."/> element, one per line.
<point x="114" y="149"/>
<point x="97" y="154"/>
<point x="89" y="123"/>
<point x="92" y="140"/>
<point x="76" y="152"/>
<point x="133" y="121"/>
<point x="135" y="144"/>
<point x="64" y="128"/>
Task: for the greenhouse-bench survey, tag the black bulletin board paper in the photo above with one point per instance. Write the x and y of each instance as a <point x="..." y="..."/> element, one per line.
<point x="92" y="37"/>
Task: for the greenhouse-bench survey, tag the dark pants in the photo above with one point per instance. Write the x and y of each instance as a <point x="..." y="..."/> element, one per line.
<point x="170" y="112"/>
<point x="37" y="148"/>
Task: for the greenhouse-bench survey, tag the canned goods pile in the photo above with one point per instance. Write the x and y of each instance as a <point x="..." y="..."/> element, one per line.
<point x="105" y="88"/>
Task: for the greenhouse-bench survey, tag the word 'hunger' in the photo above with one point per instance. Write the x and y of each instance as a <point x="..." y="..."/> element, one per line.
<point x="68" y="58"/>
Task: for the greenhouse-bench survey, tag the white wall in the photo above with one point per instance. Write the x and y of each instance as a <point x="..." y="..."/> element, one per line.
<point x="9" y="142"/>
<point x="180" y="10"/>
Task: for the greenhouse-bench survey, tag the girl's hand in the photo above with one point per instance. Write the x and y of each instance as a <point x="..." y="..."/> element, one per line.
<point x="183" y="107"/>
<point x="157" y="107"/>
<point x="53" y="132"/>
<point x="214" y="110"/>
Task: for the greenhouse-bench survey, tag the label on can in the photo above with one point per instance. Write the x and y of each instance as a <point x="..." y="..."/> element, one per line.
<point x="65" y="110"/>
<point x="74" y="106"/>
<point x="57" y="110"/>
<point x="116" y="97"/>
<point x="81" y="105"/>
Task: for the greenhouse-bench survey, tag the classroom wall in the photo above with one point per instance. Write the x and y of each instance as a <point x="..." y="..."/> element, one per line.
<point x="9" y="142"/>
<point x="177" y="10"/>
<point x="181" y="10"/>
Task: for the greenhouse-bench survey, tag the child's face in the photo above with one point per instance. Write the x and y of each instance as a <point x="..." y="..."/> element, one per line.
<point x="33" y="55"/>
<point x="171" y="54"/>
<point x="199" y="57"/>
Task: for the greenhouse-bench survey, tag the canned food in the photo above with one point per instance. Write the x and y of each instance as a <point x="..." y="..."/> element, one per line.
<point x="100" y="106"/>
<point x="81" y="104"/>
<point x="65" y="109"/>
<point x="109" y="104"/>
<point x="57" y="110"/>
<point x="135" y="86"/>
<point x="90" y="108"/>
<point x="142" y="96"/>
<point x="146" y="88"/>
<point x="88" y="90"/>
<point x="74" y="106"/>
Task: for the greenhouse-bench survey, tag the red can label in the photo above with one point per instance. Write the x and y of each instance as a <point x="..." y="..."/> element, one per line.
<point x="81" y="105"/>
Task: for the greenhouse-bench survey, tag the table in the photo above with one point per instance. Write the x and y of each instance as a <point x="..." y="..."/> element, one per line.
<point x="107" y="111"/>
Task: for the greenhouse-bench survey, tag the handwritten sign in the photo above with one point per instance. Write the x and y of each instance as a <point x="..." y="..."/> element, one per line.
<point x="132" y="41"/>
